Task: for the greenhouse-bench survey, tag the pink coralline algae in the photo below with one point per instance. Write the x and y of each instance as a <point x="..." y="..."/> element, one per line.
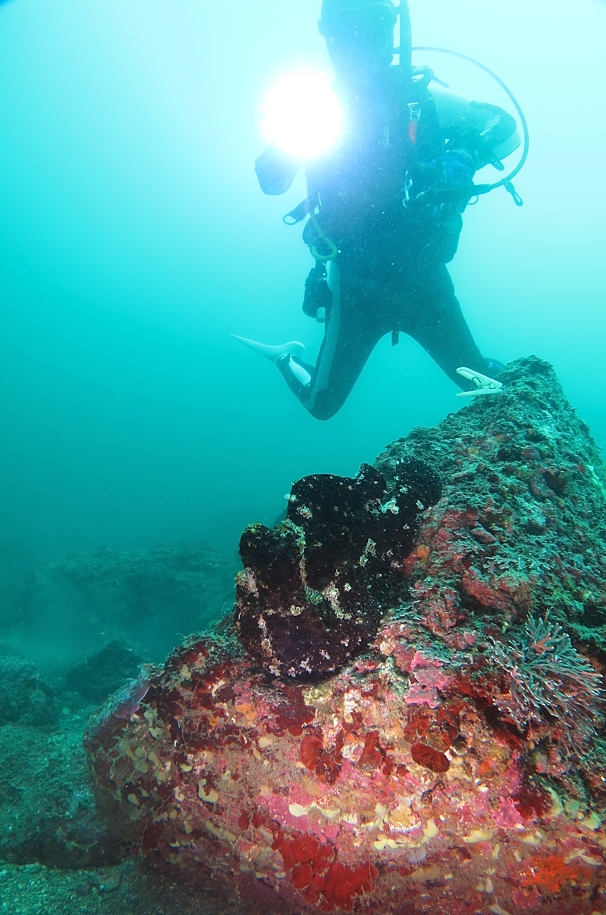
<point x="427" y="679"/>
<point x="414" y="779"/>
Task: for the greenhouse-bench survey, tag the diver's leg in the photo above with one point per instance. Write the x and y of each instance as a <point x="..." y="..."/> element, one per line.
<point x="435" y="320"/>
<point x="352" y="331"/>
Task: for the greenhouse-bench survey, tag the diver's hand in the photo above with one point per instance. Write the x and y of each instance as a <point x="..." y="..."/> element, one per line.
<point x="276" y="170"/>
<point x="458" y="169"/>
<point x="446" y="181"/>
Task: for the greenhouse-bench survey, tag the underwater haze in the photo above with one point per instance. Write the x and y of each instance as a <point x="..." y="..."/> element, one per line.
<point x="135" y="240"/>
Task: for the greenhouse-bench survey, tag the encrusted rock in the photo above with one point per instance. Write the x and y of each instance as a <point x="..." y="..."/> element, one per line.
<point x="25" y="698"/>
<point x="457" y="766"/>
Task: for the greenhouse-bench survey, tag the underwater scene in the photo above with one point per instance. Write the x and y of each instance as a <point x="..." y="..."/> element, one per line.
<point x="303" y="495"/>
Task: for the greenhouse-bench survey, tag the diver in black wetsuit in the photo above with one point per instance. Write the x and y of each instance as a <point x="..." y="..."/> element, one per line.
<point x="385" y="204"/>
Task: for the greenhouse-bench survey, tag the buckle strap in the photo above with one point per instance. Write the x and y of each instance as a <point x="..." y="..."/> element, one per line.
<point x="299" y="213"/>
<point x="414" y="112"/>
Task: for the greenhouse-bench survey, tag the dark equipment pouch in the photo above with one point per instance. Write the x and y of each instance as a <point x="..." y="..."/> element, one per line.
<point x="446" y="238"/>
<point x="441" y="232"/>
<point x="318" y="296"/>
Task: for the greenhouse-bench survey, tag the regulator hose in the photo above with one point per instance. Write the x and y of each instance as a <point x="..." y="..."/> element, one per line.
<point x="504" y="182"/>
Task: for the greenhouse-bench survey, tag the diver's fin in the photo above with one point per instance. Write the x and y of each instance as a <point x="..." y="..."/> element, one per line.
<point x="482" y="383"/>
<point x="273" y="353"/>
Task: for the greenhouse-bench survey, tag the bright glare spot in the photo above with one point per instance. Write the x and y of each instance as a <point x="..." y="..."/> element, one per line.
<point x="302" y="114"/>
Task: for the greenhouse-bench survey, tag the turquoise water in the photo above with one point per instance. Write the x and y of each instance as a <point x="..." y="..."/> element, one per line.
<point x="134" y="240"/>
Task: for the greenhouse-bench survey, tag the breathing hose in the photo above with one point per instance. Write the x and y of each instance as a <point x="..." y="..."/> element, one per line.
<point x="504" y="182"/>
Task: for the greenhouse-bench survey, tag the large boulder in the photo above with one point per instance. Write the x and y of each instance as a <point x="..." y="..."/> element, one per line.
<point x="456" y="765"/>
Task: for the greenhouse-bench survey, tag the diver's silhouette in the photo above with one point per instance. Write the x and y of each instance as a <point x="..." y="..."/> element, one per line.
<point x="384" y="206"/>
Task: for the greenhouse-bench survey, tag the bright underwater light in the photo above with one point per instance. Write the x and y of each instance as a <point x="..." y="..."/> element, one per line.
<point x="302" y="114"/>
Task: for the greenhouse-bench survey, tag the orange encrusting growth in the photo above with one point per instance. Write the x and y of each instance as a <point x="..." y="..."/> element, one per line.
<point x="553" y="872"/>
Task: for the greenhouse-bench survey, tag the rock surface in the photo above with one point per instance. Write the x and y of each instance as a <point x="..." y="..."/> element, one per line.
<point x="459" y="765"/>
<point x="47" y="808"/>
<point x="24" y="695"/>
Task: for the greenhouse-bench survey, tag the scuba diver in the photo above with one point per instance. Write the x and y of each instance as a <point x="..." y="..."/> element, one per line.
<point x="385" y="206"/>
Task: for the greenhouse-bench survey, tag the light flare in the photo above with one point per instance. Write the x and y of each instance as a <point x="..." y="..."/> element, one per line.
<point x="302" y="114"/>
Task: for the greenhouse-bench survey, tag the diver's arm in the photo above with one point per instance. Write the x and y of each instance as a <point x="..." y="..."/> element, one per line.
<point x="486" y="132"/>
<point x="275" y="170"/>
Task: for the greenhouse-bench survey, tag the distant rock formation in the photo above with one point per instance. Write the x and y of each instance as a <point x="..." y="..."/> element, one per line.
<point x="150" y="598"/>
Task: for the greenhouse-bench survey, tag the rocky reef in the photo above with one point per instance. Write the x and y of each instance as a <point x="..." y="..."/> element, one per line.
<point x="455" y="761"/>
<point x="47" y="808"/>
<point x="48" y="817"/>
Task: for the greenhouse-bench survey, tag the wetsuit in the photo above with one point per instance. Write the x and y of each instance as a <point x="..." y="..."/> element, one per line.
<point x="390" y="196"/>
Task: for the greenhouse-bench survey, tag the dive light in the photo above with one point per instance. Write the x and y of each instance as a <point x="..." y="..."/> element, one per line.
<point x="302" y="114"/>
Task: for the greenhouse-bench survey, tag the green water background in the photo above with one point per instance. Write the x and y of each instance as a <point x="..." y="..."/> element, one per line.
<point x="134" y="240"/>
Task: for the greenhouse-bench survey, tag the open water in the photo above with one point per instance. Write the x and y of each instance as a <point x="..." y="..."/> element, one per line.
<point x="134" y="240"/>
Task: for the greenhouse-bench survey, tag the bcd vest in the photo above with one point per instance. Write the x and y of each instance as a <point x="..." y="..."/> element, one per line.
<point x="365" y="189"/>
